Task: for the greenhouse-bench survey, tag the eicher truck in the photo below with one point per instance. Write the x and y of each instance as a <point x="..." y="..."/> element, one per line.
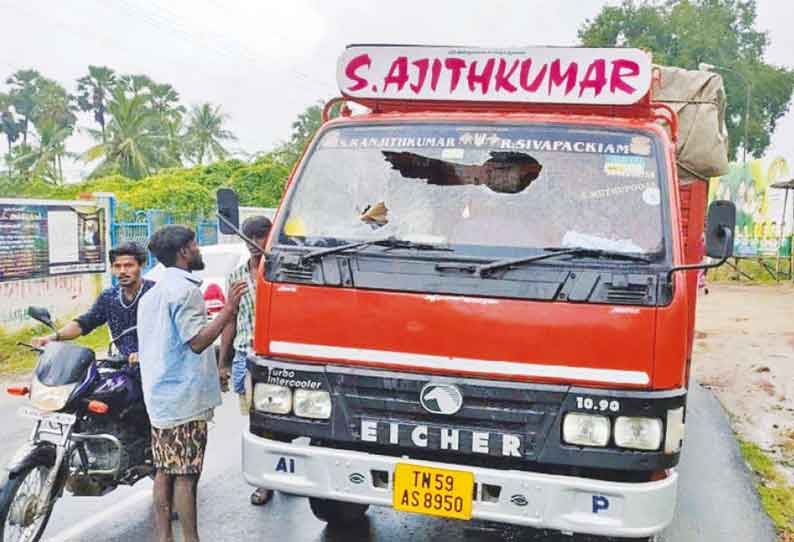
<point x="478" y="297"/>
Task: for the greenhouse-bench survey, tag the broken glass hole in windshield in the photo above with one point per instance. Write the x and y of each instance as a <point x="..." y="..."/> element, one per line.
<point x="505" y="172"/>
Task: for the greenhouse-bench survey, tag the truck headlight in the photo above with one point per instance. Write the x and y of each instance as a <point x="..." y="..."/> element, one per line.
<point x="313" y="404"/>
<point x="638" y="433"/>
<point x="585" y="429"/>
<point x="273" y="399"/>
<point x="674" y="435"/>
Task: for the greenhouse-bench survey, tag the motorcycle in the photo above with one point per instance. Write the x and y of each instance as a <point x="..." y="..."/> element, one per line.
<point x="91" y="433"/>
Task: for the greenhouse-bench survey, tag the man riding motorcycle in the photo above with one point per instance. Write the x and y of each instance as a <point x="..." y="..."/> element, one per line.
<point x="116" y="306"/>
<point x="94" y="407"/>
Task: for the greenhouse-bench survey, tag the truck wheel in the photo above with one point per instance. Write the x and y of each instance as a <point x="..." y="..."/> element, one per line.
<point x="337" y="513"/>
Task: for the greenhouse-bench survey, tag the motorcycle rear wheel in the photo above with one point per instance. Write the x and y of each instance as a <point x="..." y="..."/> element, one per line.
<point x="22" y="517"/>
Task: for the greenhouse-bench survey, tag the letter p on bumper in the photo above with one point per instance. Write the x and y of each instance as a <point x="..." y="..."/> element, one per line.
<point x="600" y="504"/>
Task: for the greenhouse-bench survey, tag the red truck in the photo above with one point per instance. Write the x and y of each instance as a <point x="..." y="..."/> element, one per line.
<point x="478" y="297"/>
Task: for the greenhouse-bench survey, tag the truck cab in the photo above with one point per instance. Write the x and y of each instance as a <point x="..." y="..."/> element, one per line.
<point x="478" y="303"/>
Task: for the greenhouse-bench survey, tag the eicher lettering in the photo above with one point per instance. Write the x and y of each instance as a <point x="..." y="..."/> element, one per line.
<point x="442" y="438"/>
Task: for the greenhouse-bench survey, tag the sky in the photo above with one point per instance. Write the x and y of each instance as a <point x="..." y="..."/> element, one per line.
<point x="265" y="61"/>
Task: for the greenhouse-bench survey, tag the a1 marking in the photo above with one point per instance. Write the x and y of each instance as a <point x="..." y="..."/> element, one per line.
<point x="285" y="464"/>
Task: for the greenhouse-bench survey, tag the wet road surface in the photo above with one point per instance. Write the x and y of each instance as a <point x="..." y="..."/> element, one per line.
<point x="716" y="498"/>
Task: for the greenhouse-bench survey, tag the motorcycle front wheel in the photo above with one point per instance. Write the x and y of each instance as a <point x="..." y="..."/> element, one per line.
<point x="23" y="516"/>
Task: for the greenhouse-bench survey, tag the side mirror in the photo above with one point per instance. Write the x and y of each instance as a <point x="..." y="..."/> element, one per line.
<point x="42" y="315"/>
<point x="228" y="210"/>
<point x="721" y="220"/>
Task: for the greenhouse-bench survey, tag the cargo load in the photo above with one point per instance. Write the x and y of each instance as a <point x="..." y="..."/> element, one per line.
<point x="698" y="98"/>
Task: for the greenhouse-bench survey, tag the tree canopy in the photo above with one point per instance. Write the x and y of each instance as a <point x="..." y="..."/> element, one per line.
<point x="140" y="125"/>
<point x="205" y="134"/>
<point x="303" y="129"/>
<point x="144" y="139"/>
<point x="686" y="33"/>
<point x="182" y="191"/>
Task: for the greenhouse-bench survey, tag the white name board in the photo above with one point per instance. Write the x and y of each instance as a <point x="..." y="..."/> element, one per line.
<point x="566" y="75"/>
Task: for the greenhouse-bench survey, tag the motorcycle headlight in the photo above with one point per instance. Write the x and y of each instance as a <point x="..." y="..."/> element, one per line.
<point x="638" y="433"/>
<point x="50" y="398"/>
<point x="313" y="404"/>
<point x="585" y="429"/>
<point x="273" y="399"/>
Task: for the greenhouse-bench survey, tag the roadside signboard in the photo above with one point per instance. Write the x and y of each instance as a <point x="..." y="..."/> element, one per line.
<point x="40" y="240"/>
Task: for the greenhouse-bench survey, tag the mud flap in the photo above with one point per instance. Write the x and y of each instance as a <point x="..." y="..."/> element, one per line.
<point x="40" y="453"/>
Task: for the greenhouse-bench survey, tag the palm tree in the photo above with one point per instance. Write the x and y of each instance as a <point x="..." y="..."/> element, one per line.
<point x="23" y="95"/>
<point x="46" y="159"/>
<point x="9" y="126"/>
<point x="134" y="141"/>
<point x="165" y="100"/>
<point x="135" y="84"/>
<point x="94" y="91"/>
<point x="205" y="133"/>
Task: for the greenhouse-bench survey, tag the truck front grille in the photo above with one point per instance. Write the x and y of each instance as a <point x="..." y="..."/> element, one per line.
<point x="526" y="412"/>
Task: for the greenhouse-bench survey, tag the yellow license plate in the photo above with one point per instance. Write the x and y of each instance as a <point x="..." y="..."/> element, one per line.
<point x="435" y="492"/>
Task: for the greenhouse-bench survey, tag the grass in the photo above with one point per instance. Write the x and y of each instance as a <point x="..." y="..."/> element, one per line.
<point x="18" y="359"/>
<point x="776" y="496"/>
<point x="751" y="267"/>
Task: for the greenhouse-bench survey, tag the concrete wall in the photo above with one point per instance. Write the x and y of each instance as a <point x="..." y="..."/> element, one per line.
<point x="64" y="297"/>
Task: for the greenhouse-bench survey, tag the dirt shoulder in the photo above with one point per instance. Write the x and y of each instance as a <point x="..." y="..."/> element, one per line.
<point x="744" y="352"/>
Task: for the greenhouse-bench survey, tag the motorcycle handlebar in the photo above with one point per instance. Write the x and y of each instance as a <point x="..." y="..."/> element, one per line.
<point x="115" y="361"/>
<point x="31" y="347"/>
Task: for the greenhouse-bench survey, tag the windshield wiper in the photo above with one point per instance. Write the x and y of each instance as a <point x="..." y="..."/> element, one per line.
<point x="553" y="252"/>
<point x="586" y="252"/>
<point x="389" y="242"/>
<point x="393" y="243"/>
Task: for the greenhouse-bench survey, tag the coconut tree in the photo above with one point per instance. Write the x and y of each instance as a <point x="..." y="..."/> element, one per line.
<point x="164" y="100"/>
<point x="135" y="84"/>
<point x="94" y="91"/>
<point x="23" y="91"/>
<point x="9" y="125"/>
<point x="44" y="159"/>
<point x="133" y="138"/>
<point x="205" y="133"/>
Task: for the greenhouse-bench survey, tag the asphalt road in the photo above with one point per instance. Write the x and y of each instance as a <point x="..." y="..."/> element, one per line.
<point x="716" y="499"/>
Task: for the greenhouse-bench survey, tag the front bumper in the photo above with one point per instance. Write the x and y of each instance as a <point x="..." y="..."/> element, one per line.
<point x="564" y="503"/>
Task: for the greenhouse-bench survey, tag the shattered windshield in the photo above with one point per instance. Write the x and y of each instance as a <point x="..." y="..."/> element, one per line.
<point x="491" y="191"/>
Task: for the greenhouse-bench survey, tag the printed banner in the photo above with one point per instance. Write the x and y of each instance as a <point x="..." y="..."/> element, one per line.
<point x="531" y="75"/>
<point x="44" y="240"/>
<point x="759" y="208"/>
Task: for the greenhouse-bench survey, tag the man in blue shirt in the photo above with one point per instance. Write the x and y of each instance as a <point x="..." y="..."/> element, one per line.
<point x="181" y="385"/>
<point x="117" y="306"/>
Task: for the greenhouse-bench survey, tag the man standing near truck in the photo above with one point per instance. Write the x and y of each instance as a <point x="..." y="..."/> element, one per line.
<point x="180" y="375"/>
<point x="237" y="337"/>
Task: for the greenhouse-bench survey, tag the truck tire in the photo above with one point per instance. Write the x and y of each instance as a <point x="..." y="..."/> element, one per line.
<point x="337" y="513"/>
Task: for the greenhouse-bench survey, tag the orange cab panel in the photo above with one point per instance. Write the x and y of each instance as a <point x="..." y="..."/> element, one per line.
<point x="495" y="338"/>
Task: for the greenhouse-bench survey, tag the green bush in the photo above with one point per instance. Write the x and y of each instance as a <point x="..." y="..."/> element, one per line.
<point x="261" y="184"/>
<point x="179" y="191"/>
